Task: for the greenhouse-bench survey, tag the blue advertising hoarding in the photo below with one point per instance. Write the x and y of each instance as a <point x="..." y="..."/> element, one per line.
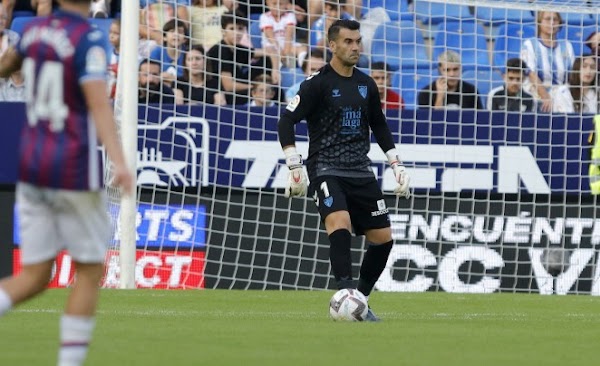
<point x="445" y="151"/>
<point x="161" y="226"/>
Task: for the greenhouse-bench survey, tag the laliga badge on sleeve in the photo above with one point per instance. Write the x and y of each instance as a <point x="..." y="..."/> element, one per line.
<point x="293" y="104"/>
<point x="95" y="60"/>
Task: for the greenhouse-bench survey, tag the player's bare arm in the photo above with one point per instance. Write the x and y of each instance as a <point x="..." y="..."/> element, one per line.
<point x="101" y="111"/>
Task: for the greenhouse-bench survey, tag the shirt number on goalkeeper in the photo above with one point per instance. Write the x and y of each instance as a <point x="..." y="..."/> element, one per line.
<point x="45" y="95"/>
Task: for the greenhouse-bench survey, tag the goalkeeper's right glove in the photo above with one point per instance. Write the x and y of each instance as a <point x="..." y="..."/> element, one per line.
<point x="402" y="177"/>
<point x="297" y="181"/>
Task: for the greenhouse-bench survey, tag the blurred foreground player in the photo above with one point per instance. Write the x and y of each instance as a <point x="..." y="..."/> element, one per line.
<point x="341" y="105"/>
<point x="59" y="194"/>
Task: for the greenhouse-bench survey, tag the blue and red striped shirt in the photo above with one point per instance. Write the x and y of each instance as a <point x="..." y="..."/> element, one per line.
<point x="59" y="147"/>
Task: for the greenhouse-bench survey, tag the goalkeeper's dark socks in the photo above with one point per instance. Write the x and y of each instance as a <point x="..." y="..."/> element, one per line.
<point x="340" y="258"/>
<point x="373" y="264"/>
<point x="75" y="336"/>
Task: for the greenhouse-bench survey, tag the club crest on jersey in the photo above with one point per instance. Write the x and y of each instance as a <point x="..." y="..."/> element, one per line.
<point x="362" y="89"/>
<point x="328" y="201"/>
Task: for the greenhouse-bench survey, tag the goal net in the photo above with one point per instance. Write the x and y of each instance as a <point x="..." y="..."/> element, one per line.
<point x="501" y="199"/>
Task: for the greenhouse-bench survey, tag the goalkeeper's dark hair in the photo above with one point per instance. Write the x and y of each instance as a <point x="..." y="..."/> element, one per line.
<point x="235" y="18"/>
<point x="334" y="30"/>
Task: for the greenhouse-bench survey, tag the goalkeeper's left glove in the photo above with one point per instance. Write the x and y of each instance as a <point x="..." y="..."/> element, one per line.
<point x="402" y="177"/>
<point x="297" y="181"/>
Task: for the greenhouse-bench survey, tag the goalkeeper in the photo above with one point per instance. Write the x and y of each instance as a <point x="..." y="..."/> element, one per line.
<point x="341" y="105"/>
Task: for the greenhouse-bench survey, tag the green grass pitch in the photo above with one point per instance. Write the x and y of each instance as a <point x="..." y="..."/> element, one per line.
<point x="218" y="327"/>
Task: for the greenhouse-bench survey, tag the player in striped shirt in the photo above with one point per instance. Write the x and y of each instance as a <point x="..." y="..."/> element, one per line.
<point x="59" y="194"/>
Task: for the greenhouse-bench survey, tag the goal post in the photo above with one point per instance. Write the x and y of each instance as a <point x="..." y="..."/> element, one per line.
<point x="127" y="117"/>
<point x="495" y="193"/>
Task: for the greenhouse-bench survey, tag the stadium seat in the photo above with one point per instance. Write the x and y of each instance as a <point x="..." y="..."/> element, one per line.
<point x="499" y="16"/>
<point x="18" y="24"/>
<point x="22" y="13"/>
<point x="509" y="41"/>
<point x="574" y="18"/>
<point x="400" y="45"/>
<point x="484" y="81"/>
<point x="434" y="12"/>
<point x="409" y="81"/>
<point x="397" y="10"/>
<point x="255" y="34"/>
<point x="467" y="38"/>
<point x="291" y="76"/>
<point x="578" y="35"/>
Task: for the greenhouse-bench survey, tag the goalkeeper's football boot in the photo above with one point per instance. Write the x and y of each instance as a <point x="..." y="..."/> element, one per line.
<point x="371" y="317"/>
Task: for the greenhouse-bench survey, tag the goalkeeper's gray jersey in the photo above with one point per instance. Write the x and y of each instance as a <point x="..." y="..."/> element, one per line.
<point x="339" y="111"/>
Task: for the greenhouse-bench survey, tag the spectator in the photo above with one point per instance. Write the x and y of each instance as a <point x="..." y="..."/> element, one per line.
<point x="580" y="95"/>
<point x="510" y="97"/>
<point x="310" y="65"/>
<point x="448" y="91"/>
<point x="548" y="58"/>
<point x="233" y="6"/>
<point x="206" y="22"/>
<point x="195" y="85"/>
<point x="262" y="92"/>
<point x="100" y="9"/>
<point x="332" y="12"/>
<point x="298" y="8"/>
<point x="380" y="72"/>
<point x="114" y="37"/>
<point x="278" y="26"/>
<point x="593" y="42"/>
<point x="151" y="88"/>
<point x="233" y="64"/>
<point x="12" y="89"/>
<point x="172" y="55"/>
<point x="115" y="8"/>
<point x="153" y="16"/>
<point x="316" y="8"/>
<point x="7" y="36"/>
<point x="39" y="7"/>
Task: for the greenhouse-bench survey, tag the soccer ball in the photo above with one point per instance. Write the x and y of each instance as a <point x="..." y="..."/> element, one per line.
<point x="348" y="305"/>
<point x="555" y="260"/>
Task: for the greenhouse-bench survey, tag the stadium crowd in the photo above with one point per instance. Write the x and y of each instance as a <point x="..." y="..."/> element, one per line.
<point x="255" y="53"/>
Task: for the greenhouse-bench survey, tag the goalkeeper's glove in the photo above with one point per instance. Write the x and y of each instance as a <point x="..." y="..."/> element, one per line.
<point x="297" y="181"/>
<point x="402" y="178"/>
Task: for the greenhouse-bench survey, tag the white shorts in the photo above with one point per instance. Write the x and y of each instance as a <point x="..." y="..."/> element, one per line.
<point x="52" y="220"/>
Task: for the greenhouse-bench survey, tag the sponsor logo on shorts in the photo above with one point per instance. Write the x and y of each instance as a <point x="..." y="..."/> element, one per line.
<point x="379" y="212"/>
